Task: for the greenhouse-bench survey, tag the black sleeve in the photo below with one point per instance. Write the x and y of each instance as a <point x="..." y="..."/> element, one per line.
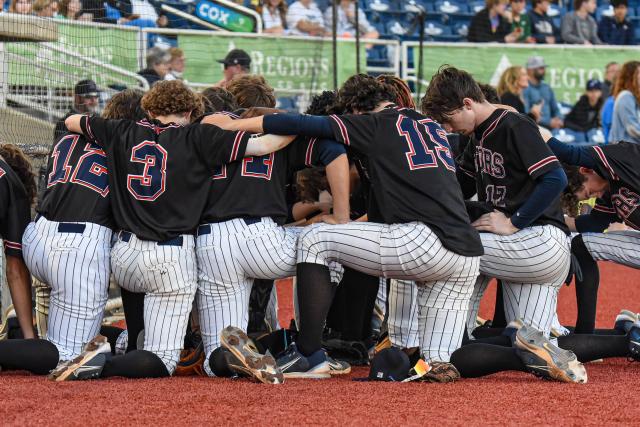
<point x="216" y="146"/>
<point x="310" y="152"/>
<point x="599" y="218"/>
<point x="355" y="130"/>
<point x="615" y="160"/>
<point x="534" y="153"/>
<point x="15" y="215"/>
<point x="99" y="130"/>
<point x="466" y="170"/>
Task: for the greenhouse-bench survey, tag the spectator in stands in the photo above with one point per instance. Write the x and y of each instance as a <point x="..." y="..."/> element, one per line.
<point x="138" y="13"/>
<point x="542" y="27"/>
<point x="45" y="8"/>
<point x="96" y="11"/>
<point x="346" y="24"/>
<point x="85" y="101"/>
<point x="274" y="16"/>
<point x="491" y="25"/>
<point x="520" y="21"/>
<point x="69" y="9"/>
<point x="176" y="65"/>
<point x="22" y="7"/>
<point x="611" y="71"/>
<point x="252" y="91"/>
<point x="157" y="65"/>
<point x="236" y="63"/>
<point x="540" y="93"/>
<point x="510" y="89"/>
<point x="305" y="18"/>
<point x="625" y="125"/>
<point x="585" y="115"/>
<point x="579" y="27"/>
<point x="617" y="29"/>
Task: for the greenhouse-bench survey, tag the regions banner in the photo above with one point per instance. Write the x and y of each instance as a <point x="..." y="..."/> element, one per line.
<point x="569" y="68"/>
<point x="41" y="64"/>
<point x="286" y="63"/>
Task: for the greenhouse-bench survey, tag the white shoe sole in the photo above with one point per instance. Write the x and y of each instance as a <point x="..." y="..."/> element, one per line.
<point x="318" y="372"/>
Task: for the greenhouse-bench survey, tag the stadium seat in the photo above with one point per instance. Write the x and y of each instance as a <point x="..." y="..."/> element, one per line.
<point x="450" y="6"/>
<point x="460" y="18"/>
<point x="595" y="136"/>
<point x="414" y="6"/>
<point x="378" y="5"/>
<point x="569" y="136"/>
<point x="432" y="28"/>
<point x="461" y="29"/>
<point x="476" y="6"/>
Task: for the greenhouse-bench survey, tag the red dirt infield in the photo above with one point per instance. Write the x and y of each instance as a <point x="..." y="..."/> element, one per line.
<point x="610" y="397"/>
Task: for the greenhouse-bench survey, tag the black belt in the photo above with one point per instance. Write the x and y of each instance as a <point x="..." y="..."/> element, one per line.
<point x="125" y="236"/>
<point x="206" y="229"/>
<point x="66" y="227"/>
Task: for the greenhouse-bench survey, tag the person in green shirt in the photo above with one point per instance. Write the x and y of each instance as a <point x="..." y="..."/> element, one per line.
<point x="520" y="21"/>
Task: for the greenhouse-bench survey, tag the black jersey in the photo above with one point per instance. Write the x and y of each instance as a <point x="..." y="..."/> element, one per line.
<point x="506" y="156"/>
<point x="412" y="173"/>
<point x="77" y="183"/>
<point x="618" y="164"/>
<point x="159" y="173"/>
<point x="256" y="186"/>
<point x="15" y="212"/>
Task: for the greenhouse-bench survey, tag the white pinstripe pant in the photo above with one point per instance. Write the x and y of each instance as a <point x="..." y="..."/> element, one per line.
<point x="229" y="258"/>
<point x="621" y="247"/>
<point x="532" y="264"/>
<point x="404" y="251"/>
<point x="167" y="276"/>
<point x="76" y="267"/>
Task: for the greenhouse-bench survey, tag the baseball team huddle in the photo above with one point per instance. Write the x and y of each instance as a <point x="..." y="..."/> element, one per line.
<point x="191" y="203"/>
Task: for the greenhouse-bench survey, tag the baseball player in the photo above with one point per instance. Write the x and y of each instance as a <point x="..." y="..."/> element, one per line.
<point x="610" y="173"/>
<point x="158" y="171"/>
<point x="416" y="231"/>
<point x="68" y="245"/>
<point x="241" y="237"/>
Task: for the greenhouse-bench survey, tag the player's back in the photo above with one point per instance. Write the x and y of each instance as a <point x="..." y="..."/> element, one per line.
<point x="158" y="172"/>
<point x="412" y="173"/>
<point x="77" y="183"/>
<point x="15" y="211"/>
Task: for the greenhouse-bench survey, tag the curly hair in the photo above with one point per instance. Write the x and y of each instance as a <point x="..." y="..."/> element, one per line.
<point x="446" y="92"/>
<point x="628" y="80"/>
<point x="252" y="91"/>
<point x="125" y="105"/>
<point x="324" y="104"/>
<point x="400" y="88"/>
<point x="309" y="184"/>
<point x="218" y="99"/>
<point x="169" y="97"/>
<point x="576" y="181"/>
<point x="364" y="93"/>
<point x="21" y="165"/>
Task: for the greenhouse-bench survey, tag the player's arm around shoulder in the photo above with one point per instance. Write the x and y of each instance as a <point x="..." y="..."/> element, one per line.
<point x="73" y="123"/>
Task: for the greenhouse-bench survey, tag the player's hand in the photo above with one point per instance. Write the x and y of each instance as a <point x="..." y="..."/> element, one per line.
<point x="617" y="226"/>
<point x="495" y="222"/>
<point x="545" y="133"/>
<point x="333" y="219"/>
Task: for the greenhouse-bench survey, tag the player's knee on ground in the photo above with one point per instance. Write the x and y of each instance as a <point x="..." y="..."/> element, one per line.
<point x="136" y="364"/>
<point x="36" y="356"/>
<point x="217" y="364"/>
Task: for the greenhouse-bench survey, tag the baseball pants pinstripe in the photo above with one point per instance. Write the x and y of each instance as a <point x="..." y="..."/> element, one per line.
<point x="168" y="277"/>
<point x="621" y="247"/>
<point x="229" y="258"/>
<point x="408" y="251"/>
<point x="532" y="264"/>
<point x="76" y="267"/>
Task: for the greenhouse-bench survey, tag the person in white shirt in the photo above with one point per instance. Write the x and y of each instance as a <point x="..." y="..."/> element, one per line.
<point x="346" y="23"/>
<point x="305" y="18"/>
<point x="274" y="16"/>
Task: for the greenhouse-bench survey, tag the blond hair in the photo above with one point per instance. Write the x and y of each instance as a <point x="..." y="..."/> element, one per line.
<point x="509" y="81"/>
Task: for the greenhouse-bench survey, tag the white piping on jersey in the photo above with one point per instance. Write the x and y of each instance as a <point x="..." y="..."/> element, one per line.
<point x="541" y="164"/>
<point x="492" y="127"/>
<point x="604" y="160"/>
<point x="308" y="157"/>
<point x="343" y="129"/>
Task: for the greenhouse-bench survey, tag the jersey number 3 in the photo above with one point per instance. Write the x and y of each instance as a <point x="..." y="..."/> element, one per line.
<point x="151" y="159"/>
<point x="90" y="171"/>
<point x="427" y="143"/>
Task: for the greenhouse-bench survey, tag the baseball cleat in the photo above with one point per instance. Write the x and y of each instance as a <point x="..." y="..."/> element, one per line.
<point x="259" y="366"/>
<point x="86" y="366"/>
<point x="634" y="341"/>
<point x="4" y="325"/>
<point x="547" y="360"/>
<point x="338" y="367"/>
<point x="440" y="372"/>
<point x="624" y="320"/>
<point x="294" y="365"/>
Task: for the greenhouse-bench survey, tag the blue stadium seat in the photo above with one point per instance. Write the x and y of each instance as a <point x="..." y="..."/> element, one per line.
<point x="476" y="6"/>
<point x="460" y="18"/>
<point x="415" y="5"/>
<point x="450" y="6"/>
<point x="595" y="136"/>
<point x="432" y="29"/>
<point x="287" y="103"/>
<point x="378" y="5"/>
<point x="569" y="136"/>
<point x="461" y="29"/>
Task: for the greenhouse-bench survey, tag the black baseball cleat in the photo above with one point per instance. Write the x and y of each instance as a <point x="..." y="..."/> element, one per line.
<point x="625" y="320"/>
<point x="294" y="365"/>
<point x="634" y="341"/>
<point x="259" y="366"/>
<point x="86" y="366"/>
<point x="544" y="359"/>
